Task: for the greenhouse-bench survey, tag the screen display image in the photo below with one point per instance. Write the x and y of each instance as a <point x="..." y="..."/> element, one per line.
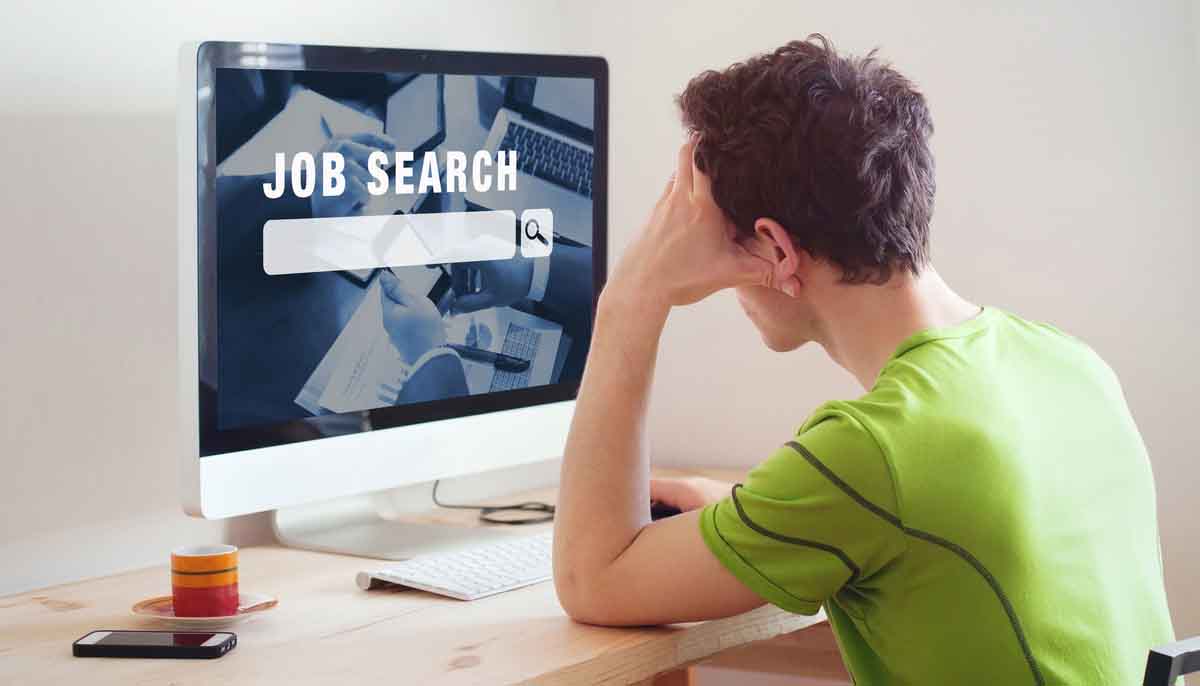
<point x="154" y="638"/>
<point x="384" y="247"/>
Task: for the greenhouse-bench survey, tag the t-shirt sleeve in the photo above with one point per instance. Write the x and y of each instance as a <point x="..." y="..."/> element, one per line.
<point x="807" y="522"/>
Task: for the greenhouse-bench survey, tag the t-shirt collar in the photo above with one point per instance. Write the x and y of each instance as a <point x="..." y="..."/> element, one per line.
<point x="978" y="322"/>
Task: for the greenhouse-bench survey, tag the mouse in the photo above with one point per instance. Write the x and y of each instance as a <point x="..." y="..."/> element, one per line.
<point x="660" y="510"/>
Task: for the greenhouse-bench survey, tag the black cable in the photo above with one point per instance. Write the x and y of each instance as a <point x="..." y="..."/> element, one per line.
<point x="525" y="513"/>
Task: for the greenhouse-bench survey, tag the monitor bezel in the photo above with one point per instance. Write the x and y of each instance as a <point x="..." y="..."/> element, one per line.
<point x="213" y="55"/>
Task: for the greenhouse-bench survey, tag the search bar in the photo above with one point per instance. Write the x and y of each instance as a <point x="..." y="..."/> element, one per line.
<point x="301" y="246"/>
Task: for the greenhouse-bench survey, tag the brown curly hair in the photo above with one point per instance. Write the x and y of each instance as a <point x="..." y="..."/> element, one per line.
<point x="835" y="149"/>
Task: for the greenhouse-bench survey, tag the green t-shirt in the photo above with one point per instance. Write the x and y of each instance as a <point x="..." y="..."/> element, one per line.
<point x="984" y="515"/>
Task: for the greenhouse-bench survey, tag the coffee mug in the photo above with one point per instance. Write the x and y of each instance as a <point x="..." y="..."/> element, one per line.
<point x="204" y="580"/>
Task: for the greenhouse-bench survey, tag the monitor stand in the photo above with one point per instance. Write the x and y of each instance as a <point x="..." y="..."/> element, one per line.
<point x="370" y="526"/>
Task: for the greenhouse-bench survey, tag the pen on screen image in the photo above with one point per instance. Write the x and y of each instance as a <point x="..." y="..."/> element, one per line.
<point x="504" y="363"/>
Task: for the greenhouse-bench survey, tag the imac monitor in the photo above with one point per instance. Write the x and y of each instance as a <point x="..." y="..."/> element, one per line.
<point x="389" y="261"/>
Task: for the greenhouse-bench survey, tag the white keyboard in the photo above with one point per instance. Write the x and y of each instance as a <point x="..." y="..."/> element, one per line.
<point x="472" y="573"/>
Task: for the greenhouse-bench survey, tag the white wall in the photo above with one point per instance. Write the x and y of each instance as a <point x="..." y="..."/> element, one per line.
<point x="1066" y="140"/>
<point x="1067" y="156"/>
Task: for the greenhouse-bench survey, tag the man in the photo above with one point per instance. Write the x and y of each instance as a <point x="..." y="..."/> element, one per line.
<point x="983" y="514"/>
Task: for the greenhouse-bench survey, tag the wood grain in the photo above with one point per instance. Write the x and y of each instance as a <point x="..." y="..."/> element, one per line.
<point x="325" y="630"/>
<point x="811" y="654"/>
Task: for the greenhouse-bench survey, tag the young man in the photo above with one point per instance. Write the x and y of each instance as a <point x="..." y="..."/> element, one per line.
<point x="983" y="514"/>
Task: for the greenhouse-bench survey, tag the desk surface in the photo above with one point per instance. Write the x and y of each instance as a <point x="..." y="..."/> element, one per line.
<point x="326" y="630"/>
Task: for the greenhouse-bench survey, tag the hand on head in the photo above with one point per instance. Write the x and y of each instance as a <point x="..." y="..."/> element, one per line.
<point x="412" y="321"/>
<point x="688" y="248"/>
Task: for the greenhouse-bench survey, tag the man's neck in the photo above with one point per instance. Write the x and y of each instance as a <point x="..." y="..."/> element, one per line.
<point x="864" y="325"/>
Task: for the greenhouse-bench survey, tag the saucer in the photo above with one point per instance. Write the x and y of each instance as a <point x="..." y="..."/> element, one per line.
<point x="162" y="610"/>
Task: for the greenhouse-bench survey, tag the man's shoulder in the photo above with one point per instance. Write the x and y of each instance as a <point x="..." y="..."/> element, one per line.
<point x="863" y="422"/>
<point x="1000" y="337"/>
<point x="832" y="450"/>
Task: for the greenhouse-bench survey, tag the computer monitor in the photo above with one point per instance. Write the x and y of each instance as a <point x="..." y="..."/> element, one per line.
<point x="388" y="267"/>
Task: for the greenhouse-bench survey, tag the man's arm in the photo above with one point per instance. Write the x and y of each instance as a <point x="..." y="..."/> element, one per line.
<point x="569" y="285"/>
<point x="439" y="378"/>
<point x="611" y="565"/>
<point x="566" y="287"/>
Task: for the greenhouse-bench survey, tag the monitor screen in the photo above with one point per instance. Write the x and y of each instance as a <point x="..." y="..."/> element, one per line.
<point x="566" y="98"/>
<point x="391" y="237"/>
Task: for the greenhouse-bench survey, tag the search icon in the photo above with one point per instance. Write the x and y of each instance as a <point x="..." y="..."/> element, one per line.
<point x="536" y="233"/>
<point x="533" y="231"/>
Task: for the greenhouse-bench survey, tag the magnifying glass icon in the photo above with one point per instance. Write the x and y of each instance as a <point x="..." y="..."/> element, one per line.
<point x="533" y="231"/>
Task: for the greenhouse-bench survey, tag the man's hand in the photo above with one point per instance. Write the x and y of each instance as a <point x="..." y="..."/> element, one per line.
<point x="690" y="493"/>
<point x="501" y="282"/>
<point x="411" y="320"/>
<point x="355" y="150"/>
<point x="611" y="565"/>
<point x="687" y="250"/>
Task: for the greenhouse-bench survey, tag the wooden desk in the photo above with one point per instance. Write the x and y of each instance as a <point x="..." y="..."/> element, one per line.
<point x="326" y="631"/>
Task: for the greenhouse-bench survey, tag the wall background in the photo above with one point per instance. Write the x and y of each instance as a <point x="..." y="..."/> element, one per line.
<point x="1067" y="147"/>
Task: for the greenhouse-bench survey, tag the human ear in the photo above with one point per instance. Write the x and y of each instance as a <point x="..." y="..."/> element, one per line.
<point x="779" y="250"/>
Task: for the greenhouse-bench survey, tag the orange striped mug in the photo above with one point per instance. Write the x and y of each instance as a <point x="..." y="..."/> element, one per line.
<point x="204" y="580"/>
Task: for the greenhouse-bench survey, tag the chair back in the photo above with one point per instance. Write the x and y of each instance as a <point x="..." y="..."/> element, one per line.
<point x="1169" y="662"/>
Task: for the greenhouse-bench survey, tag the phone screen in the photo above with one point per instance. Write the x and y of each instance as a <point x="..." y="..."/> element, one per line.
<point x="415" y="114"/>
<point x="154" y="638"/>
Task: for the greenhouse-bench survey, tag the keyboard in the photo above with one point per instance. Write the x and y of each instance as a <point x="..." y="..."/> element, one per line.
<point x="473" y="573"/>
<point x="521" y="342"/>
<point x="549" y="158"/>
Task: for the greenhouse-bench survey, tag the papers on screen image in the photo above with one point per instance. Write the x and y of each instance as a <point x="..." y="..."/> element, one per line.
<point x="297" y="128"/>
<point x="361" y="369"/>
<point x="358" y="339"/>
<point x="365" y="363"/>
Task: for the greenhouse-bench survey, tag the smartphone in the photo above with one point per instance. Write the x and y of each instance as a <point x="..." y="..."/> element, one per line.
<point x="416" y="115"/>
<point x="169" y="644"/>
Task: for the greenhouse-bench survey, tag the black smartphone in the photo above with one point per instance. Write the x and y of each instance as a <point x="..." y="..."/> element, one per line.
<point x="416" y="115"/>
<point x="169" y="644"/>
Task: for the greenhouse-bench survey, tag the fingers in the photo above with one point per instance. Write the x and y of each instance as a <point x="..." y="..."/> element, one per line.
<point x="355" y="170"/>
<point x="661" y="489"/>
<point x="684" y="166"/>
<point x="680" y="493"/>
<point x="353" y="151"/>
<point x="701" y="184"/>
<point x="666" y="193"/>
<point x="474" y="302"/>
<point x="467" y="278"/>
<point x="749" y="269"/>
<point x="460" y="278"/>
<point x="669" y="491"/>
<point x="392" y="289"/>
<point x="357" y="194"/>
<point x="358" y="148"/>
<point x="375" y="140"/>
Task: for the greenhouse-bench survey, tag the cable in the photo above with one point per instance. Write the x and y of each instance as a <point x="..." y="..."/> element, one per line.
<point x="519" y="513"/>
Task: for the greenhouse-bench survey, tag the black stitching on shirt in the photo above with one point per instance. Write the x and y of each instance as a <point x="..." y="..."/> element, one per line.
<point x="717" y="530"/>
<point x="837" y="552"/>
<point x="936" y="540"/>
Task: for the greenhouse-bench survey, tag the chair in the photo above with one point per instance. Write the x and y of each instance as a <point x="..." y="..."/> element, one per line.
<point x="1168" y="663"/>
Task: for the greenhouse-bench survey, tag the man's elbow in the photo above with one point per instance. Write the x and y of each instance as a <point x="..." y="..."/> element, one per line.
<point x="584" y="599"/>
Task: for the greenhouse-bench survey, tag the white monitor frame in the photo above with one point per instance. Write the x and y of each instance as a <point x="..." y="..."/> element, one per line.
<point x="260" y="479"/>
